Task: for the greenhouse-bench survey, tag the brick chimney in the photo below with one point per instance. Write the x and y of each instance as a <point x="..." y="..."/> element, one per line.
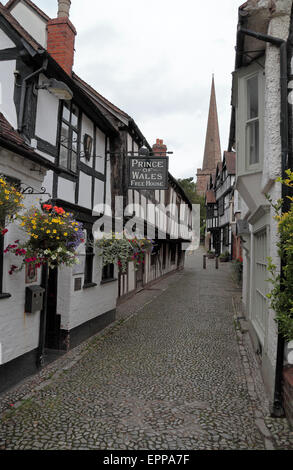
<point x="61" y="37"/>
<point x="159" y="149"/>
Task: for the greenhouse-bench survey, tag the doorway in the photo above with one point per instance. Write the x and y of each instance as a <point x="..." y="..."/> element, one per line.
<point x="53" y="321"/>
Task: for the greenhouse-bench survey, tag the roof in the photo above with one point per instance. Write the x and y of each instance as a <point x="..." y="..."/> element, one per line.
<point x="230" y="159"/>
<point x="7" y="131"/>
<point x="210" y="197"/>
<point x="98" y="96"/>
<point x="19" y="29"/>
<point x="11" y="3"/>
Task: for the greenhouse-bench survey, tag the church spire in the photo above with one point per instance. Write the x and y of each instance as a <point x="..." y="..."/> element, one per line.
<point x="212" y="152"/>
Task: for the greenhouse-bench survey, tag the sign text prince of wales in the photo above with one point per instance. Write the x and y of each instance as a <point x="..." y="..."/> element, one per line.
<point x="148" y="173"/>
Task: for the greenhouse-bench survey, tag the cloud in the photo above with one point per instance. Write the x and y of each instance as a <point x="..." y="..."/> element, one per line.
<point x="154" y="59"/>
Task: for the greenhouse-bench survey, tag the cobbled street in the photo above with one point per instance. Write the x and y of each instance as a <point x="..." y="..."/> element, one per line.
<point x="174" y="372"/>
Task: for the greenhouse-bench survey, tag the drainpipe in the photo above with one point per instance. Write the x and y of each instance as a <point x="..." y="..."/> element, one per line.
<point x="23" y="93"/>
<point x="277" y="410"/>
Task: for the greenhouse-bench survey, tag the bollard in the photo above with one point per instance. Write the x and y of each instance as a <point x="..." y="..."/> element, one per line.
<point x="217" y="262"/>
<point x="204" y="261"/>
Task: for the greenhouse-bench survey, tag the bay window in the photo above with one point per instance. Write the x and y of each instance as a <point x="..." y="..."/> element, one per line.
<point x="252" y="121"/>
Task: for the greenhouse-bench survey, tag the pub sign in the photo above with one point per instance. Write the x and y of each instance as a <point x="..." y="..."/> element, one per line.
<point x="148" y="173"/>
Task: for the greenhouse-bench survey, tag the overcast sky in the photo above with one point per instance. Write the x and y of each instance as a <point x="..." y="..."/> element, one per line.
<point x="155" y="59"/>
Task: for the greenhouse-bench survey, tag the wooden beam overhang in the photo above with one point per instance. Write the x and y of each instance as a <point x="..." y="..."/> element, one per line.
<point x="30" y="155"/>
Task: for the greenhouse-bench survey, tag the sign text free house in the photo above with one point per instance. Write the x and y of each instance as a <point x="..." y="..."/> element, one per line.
<point x="148" y="173"/>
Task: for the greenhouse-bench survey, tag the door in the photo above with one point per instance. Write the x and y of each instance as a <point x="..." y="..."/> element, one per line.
<point x="139" y="276"/>
<point x="217" y="242"/>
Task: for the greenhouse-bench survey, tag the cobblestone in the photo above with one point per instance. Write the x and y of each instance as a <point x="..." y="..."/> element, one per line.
<point x="172" y="373"/>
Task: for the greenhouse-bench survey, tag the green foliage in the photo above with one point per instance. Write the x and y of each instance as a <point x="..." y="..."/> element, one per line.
<point x="122" y="250"/>
<point x="10" y="202"/>
<point x="281" y="295"/>
<point x="189" y="187"/>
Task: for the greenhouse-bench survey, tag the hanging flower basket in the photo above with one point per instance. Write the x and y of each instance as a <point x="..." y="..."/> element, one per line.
<point x="10" y="203"/>
<point x="54" y="237"/>
<point x="122" y="250"/>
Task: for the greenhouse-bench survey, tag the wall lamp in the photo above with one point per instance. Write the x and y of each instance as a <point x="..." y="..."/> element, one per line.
<point x="58" y="89"/>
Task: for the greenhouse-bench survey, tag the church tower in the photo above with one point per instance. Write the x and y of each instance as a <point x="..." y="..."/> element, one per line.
<point x="212" y="152"/>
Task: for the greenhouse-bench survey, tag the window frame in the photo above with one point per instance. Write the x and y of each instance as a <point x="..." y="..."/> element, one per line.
<point x="71" y="129"/>
<point x="108" y="273"/>
<point x="250" y="121"/>
<point x="240" y="101"/>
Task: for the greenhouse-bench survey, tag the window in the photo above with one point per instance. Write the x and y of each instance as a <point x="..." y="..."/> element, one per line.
<point x="221" y="207"/>
<point x="252" y="121"/>
<point x="249" y="101"/>
<point x="226" y="236"/>
<point x="108" y="273"/>
<point x="69" y="136"/>
<point x="210" y="211"/>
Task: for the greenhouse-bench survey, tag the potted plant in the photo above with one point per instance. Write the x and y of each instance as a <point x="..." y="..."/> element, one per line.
<point x="121" y="250"/>
<point x="54" y="236"/>
<point x="10" y="203"/>
<point x="224" y="257"/>
<point x="211" y="254"/>
<point x="238" y="266"/>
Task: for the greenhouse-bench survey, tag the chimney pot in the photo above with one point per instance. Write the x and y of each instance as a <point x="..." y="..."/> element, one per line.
<point x="159" y="148"/>
<point x="61" y="37"/>
<point x="63" y="8"/>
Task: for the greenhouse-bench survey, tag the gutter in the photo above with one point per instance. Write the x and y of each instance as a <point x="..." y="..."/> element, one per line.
<point x="277" y="409"/>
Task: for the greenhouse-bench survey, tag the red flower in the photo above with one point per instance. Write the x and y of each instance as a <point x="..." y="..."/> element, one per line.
<point x="4" y="231"/>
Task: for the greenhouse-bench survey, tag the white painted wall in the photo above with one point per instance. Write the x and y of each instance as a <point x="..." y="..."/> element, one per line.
<point x="7" y="106"/>
<point x="78" y="307"/>
<point x="85" y="190"/>
<point x="47" y="105"/>
<point x="66" y="190"/>
<point x="5" y="41"/>
<point x="31" y="22"/>
<point x="19" y="332"/>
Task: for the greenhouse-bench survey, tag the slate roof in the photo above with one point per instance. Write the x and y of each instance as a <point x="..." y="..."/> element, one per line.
<point x="210" y="197"/>
<point x="230" y="159"/>
<point x="9" y="133"/>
